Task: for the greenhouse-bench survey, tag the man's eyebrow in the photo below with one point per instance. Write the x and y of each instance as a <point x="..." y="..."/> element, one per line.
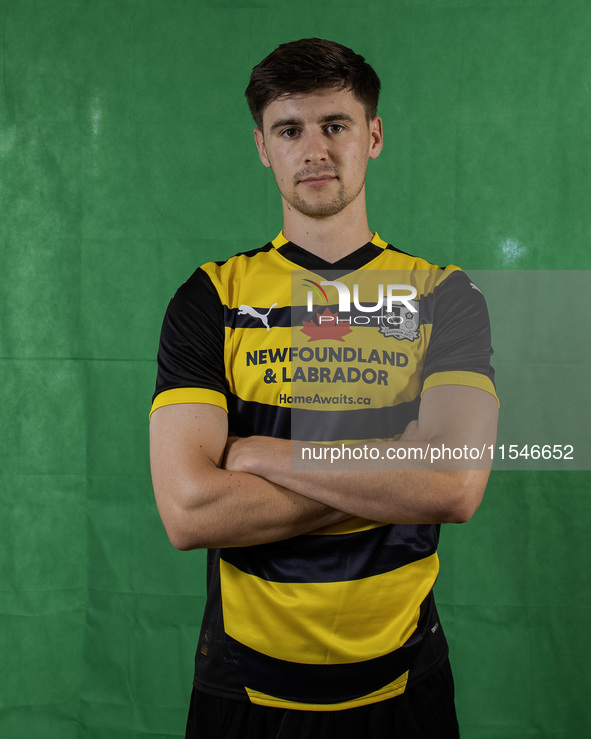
<point x="336" y="117"/>
<point x="286" y="122"/>
<point x="323" y="119"/>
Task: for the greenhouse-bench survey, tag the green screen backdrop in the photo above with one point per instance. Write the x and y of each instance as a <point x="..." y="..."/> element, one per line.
<point x="126" y="160"/>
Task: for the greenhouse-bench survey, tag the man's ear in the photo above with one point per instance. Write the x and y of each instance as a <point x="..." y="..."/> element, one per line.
<point x="377" y="137"/>
<point x="260" y="142"/>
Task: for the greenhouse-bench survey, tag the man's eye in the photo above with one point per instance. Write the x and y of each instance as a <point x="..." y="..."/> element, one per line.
<point x="290" y="133"/>
<point x="335" y="128"/>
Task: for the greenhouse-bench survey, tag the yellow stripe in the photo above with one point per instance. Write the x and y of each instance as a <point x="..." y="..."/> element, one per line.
<point x="472" y="379"/>
<point x="407" y="269"/>
<point x="258" y="281"/>
<point x="377" y="241"/>
<point x="269" y="281"/>
<point x="350" y="526"/>
<point x="279" y="240"/>
<point x="326" y="623"/>
<point x="249" y="380"/>
<point x="189" y="395"/>
<point x="388" y="691"/>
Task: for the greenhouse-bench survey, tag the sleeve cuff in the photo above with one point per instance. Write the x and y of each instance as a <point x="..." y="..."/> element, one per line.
<point x="180" y="395"/>
<point x="471" y="379"/>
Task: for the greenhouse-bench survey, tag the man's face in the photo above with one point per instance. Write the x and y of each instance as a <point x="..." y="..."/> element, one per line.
<point x="317" y="145"/>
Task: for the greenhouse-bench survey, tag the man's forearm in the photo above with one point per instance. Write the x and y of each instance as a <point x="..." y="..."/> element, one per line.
<point x="203" y="505"/>
<point x="229" y="509"/>
<point x="395" y="495"/>
<point x="410" y="491"/>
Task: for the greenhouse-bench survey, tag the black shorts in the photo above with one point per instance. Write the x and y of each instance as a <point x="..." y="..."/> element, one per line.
<point x="425" y="711"/>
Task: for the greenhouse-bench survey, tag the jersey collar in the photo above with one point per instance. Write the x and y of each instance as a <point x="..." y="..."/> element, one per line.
<point x="357" y="259"/>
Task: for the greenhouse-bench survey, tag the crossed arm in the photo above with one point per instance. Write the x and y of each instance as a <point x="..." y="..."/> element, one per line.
<point x="203" y="505"/>
<point x="252" y="496"/>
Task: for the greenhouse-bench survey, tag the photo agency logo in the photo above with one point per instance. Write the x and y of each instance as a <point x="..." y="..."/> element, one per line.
<point x="395" y="311"/>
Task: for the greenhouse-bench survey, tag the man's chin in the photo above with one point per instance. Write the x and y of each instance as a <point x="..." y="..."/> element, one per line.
<point x="319" y="210"/>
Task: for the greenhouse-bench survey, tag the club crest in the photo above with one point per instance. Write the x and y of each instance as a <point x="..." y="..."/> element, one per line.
<point x="400" y="323"/>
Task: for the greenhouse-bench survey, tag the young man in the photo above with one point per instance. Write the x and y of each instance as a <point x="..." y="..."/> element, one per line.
<point x="320" y="619"/>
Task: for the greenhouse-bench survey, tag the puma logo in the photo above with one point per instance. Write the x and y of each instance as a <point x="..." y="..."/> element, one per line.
<point x="244" y="310"/>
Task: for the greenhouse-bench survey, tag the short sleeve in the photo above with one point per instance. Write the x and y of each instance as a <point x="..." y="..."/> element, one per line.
<point x="191" y="353"/>
<point x="460" y="346"/>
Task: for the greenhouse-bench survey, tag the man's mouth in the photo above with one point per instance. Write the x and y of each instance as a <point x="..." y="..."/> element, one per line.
<point x="318" y="180"/>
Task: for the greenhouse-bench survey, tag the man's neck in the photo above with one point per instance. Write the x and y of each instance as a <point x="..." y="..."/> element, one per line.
<point x="330" y="238"/>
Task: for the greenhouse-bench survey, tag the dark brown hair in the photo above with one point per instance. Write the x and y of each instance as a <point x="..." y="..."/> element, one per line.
<point x="311" y="64"/>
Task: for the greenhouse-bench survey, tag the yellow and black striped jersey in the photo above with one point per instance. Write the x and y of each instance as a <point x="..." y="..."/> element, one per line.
<point x="295" y="347"/>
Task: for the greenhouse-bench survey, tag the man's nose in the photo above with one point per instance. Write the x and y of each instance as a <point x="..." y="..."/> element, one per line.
<point x="315" y="147"/>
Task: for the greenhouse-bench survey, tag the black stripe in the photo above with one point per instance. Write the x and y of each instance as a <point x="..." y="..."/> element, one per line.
<point x="250" y="253"/>
<point x="336" y="558"/>
<point x="248" y="418"/>
<point x="412" y="256"/>
<point x="278" y="316"/>
<point x="460" y="340"/>
<point x="357" y="259"/>
<point x="288" y="316"/>
<point x="321" y="684"/>
<point x="426" y="308"/>
<point x="191" y="352"/>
